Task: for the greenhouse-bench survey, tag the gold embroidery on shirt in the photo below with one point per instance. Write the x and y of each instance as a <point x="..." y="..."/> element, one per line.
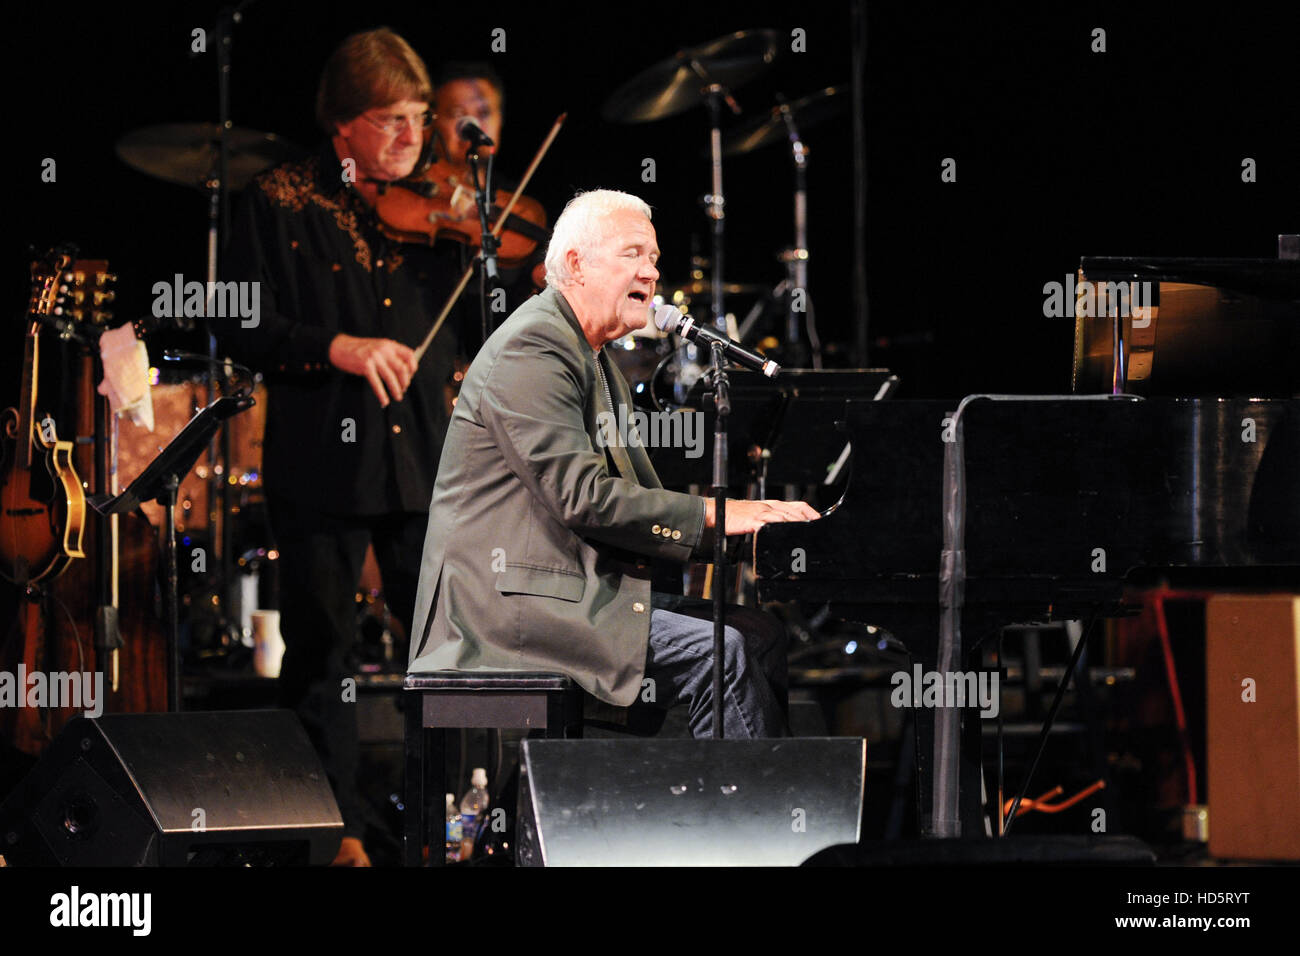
<point x="294" y="185"/>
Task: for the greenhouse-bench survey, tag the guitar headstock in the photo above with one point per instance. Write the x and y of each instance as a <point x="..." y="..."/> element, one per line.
<point x="86" y="288"/>
<point x="69" y="294"/>
<point x="47" y="277"/>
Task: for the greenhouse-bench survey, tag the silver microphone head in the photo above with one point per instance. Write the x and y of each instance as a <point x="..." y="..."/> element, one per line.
<point x="667" y="318"/>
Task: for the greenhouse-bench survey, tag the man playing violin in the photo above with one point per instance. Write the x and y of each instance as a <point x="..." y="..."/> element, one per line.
<point x="354" y="423"/>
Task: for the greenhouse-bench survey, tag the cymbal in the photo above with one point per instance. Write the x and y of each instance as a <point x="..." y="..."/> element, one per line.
<point x="186" y="153"/>
<point x="674" y="85"/>
<point x="763" y="130"/>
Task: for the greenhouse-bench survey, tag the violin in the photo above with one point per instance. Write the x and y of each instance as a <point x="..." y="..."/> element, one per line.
<point x="501" y="220"/>
<point x="437" y="201"/>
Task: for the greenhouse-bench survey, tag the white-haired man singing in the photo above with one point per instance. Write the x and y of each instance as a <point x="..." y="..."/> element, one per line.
<point x="540" y="535"/>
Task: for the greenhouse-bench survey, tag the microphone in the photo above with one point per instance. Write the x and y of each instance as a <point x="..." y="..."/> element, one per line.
<point x="472" y="133"/>
<point x="670" y="319"/>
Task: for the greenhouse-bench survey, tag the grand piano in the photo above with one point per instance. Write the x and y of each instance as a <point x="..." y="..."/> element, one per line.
<point x="959" y="518"/>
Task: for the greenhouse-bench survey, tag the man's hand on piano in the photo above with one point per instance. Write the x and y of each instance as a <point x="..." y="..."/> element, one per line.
<point x="746" y="517"/>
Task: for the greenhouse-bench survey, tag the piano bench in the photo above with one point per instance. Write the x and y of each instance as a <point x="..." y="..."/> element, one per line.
<point x="439" y="701"/>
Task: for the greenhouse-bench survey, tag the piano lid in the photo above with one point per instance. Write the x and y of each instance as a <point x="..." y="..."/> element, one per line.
<point x="1267" y="278"/>
<point x="1177" y="327"/>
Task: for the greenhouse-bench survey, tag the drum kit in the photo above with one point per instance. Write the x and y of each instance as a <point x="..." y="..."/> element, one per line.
<point x="706" y="75"/>
<point x="174" y="404"/>
<point x="189" y="154"/>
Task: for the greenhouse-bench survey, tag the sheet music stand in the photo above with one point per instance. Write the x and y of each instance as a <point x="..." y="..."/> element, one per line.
<point x="159" y="482"/>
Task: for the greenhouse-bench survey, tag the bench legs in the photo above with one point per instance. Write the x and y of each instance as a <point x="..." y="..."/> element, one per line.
<point x="425" y="784"/>
<point x="414" y="813"/>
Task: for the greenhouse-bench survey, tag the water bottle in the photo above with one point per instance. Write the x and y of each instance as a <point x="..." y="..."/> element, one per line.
<point x="473" y="811"/>
<point x="455" y="830"/>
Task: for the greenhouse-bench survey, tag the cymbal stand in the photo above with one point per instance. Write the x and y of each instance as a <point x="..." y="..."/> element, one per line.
<point x="715" y="95"/>
<point x="219" y="486"/>
<point x="796" y="259"/>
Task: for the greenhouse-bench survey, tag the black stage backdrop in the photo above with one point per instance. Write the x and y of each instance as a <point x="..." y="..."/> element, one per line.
<point x="1060" y="151"/>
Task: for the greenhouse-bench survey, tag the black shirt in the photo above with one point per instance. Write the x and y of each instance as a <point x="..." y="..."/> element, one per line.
<point x="314" y="246"/>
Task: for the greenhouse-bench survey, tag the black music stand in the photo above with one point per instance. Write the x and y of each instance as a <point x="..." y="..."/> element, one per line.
<point x="764" y="429"/>
<point x="159" y="482"/>
<point x="792" y="417"/>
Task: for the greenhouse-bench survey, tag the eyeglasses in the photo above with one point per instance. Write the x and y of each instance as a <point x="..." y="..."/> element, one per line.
<point x="396" y="125"/>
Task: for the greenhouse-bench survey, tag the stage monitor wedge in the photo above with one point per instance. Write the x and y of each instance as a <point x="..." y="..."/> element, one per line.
<point x="232" y="787"/>
<point x="672" y="802"/>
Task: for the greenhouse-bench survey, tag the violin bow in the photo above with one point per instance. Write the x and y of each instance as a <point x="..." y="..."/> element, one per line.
<point x="496" y="231"/>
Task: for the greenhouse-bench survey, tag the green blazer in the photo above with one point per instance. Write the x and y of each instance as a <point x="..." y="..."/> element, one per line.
<point x="536" y="555"/>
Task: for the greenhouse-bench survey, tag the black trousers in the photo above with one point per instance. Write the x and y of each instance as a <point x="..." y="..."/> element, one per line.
<point x="320" y="562"/>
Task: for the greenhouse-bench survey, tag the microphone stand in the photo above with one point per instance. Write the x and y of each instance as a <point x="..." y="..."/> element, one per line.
<point x="490" y="279"/>
<point x="721" y="387"/>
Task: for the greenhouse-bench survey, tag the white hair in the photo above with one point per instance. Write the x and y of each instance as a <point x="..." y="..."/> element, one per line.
<point x="581" y="227"/>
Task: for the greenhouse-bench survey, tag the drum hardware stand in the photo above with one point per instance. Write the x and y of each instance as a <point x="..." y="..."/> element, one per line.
<point x="796" y="259"/>
<point x="219" y="488"/>
<point x="715" y="95"/>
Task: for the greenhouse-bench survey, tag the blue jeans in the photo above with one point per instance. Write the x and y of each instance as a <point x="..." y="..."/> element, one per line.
<point x="680" y="662"/>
